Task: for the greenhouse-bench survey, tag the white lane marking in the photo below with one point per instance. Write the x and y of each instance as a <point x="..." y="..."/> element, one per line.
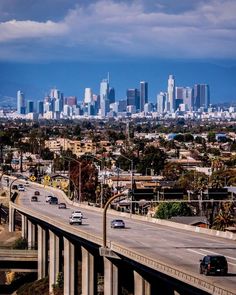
<point x="200" y="253"/>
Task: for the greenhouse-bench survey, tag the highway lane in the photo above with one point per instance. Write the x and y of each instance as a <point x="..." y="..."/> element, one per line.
<point x="178" y="248"/>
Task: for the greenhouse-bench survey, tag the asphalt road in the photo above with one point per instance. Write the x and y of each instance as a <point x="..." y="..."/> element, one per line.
<point x="179" y="248"/>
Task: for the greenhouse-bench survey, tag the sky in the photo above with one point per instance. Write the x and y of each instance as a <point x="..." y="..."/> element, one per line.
<point x="187" y="38"/>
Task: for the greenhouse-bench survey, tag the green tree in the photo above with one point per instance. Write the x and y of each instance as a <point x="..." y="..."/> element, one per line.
<point x="167" y="210"/>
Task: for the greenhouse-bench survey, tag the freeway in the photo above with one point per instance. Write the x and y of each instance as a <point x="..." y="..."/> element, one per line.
<point x="176" y="247"/>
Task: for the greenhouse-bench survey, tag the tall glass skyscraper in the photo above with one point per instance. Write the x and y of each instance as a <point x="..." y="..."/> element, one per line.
<point x="20" y="102"/>
<point x="171" y="93"/>
<point x="143" y="95"/>
<point x="104" y="97"/>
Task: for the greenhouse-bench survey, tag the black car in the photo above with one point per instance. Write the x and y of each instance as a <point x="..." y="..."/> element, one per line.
<point x="213" y="264"/>
<point x="53" y="200"/>
<point x="34" y="199"/>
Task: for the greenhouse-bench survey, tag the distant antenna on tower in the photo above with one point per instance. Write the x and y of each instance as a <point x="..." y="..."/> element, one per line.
<point x="108" y="77"/>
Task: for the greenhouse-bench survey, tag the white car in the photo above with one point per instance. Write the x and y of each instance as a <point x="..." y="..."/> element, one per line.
<point x="77" y="213"/>
<point x="75" y="220"/>
<point x="21" y="188"/>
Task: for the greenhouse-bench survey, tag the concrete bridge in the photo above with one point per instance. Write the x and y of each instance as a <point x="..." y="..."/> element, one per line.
<point x="146" y="258"/>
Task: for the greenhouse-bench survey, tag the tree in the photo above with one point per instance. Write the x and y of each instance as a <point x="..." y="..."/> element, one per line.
<point x="225" y="217"/>
<point x="167" y="210"/>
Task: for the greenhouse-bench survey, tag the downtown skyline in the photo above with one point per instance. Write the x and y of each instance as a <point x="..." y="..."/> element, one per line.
<point x="72" y="44"/>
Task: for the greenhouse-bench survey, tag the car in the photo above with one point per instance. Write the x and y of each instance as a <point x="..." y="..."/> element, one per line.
<point x="21" y="188"/>
<point x="62" y="206"/>
<point x="77" y="213"/>
<point x="37" y="193"/>
<point x="117" y="223"/>
<point x="213" y="264"/>
<point x="53" y="200"/>
<point x="75" y="220"/>
<point x="34" y="199"/>
<point x="48" y="198"/>
<point x="26" y="183"/>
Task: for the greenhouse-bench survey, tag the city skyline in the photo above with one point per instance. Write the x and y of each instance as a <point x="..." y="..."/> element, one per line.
<point x="45" y="45"/>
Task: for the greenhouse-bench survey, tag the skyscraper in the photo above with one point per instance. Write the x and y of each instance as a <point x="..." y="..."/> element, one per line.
<point x="162" y="102"/>
<point x="104" y="99"/>
<point x="143" y="95"/>
<point x="171" y="93"/>
<point x="30" y="106"/>
<point x="201" y="96"/>
<point x="20" y="102"/>
<point x="188" y="97"/>
<point x="88" y="95"/>
<point x="133" y="97"/>
<point x="112" y="95"/>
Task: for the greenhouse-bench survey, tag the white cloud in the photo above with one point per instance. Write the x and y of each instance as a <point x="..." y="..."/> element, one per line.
<point x="108" y="27"/>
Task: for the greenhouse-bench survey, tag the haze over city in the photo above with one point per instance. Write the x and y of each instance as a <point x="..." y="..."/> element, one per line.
<point x="73" y="44"/>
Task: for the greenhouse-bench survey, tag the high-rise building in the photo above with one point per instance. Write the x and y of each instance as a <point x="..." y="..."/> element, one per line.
<point x="188" y="97"/>
<point x="133" y="97"/>
<point x="162" y="102"/>
<point x="171" y="93"/>
<point x="40" y="107"/>
<point x="20" y="102"/>
<point x="112" y="95"/>
<point x="88" y="95"/>
<point x="71" y="101"/>
<point x="201" y="96"/>
<point x="30" y="106"/>
<point x="143" y="95"/>
<point x="104" y="97"/>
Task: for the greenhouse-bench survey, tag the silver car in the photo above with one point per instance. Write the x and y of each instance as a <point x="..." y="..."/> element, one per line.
<point x="117" y="223"/>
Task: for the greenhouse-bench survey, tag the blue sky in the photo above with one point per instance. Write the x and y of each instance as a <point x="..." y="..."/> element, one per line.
<point x="160" y="35"/>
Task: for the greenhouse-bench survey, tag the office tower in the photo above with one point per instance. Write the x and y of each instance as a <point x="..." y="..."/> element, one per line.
<point x="162" y="102"/>
<point x="40" y="107"/>
<point x="30" y="106"/>
<point x="143" y="95"/>
<point x="88" y="95"/>
<point x="58" y="104"/>
<point x="122" y="105"/>
<point x="20" y="102"/>
<point x="201" y="96"/>
<point x="133" y="97"/>
<point x="179" y="92"/>
<point x="55" y="93"/>
<point x="188" y="97"/>
<point x="104" y="100"/>
<point x="171" y="93"/>
<point x="112" y="95"/>
<point x="71" y="101"/>
<point x="148" y="108"/>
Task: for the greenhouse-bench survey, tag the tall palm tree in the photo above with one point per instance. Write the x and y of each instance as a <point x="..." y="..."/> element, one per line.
<point x="224" y="218"/>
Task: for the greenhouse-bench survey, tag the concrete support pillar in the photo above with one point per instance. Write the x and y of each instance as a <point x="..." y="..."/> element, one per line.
<point x="11" y="218"/>
<point x="141" y="286"/>
<point x="54" y="258"/>
<point x="31" y="235"/>
<point x="42" y="253"/>
<point x="88" y="278"/>
<point x="69" y="267"/>
<point x="110" y="277"/>
<point x="24" y="224"/>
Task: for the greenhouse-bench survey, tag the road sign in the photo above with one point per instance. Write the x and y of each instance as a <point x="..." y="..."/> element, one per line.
<point x="47" y="177"/>
<point x="32" y="178"/>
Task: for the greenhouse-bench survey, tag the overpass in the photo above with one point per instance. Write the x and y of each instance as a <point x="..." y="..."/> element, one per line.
<point x="148" y="257"/>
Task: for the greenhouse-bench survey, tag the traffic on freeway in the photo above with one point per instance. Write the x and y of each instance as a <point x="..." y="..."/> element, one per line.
<point x="179" y="248"/>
